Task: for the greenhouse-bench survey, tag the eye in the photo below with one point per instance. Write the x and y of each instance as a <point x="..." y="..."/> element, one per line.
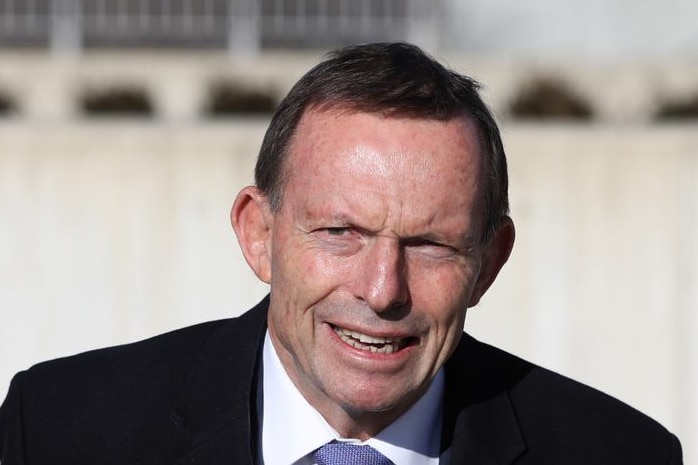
<point x="443" y="248"/>
<point x="336" y="234"/>
<point x="342" y="240"/>
<point x="432" y="248"/>
<point x="336" y="231"/>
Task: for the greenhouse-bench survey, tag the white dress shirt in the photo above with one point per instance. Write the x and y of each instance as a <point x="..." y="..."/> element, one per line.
<point x="292" y="428"/>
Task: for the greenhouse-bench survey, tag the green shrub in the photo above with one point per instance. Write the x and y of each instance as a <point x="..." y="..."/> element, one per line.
<point x="7" y="104"/>
<point x="230" y="99"/>
<point x="116" y="101"/>
<point x="549" y="99"/>
<point x="678" y="109"/>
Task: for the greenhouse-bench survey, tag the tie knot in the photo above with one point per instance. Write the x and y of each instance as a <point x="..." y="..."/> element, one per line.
<point x="344" y="453"/>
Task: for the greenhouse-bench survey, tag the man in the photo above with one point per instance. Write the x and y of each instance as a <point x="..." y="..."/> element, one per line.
<point x="379" y="216"/>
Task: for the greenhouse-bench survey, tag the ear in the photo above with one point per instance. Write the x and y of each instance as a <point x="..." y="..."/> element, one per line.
<point x="495" y="255"/>
<point x="252" y="221"/>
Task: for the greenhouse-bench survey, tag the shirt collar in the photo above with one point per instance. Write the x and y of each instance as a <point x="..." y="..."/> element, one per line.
<point x="292" y="428"/>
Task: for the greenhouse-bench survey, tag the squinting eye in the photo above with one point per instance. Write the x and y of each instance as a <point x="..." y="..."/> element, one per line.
<point x="342" y="240"/>
<point x="434" y="249"/>
<point x="336" y="231"/>
<point x="436" y="245"/>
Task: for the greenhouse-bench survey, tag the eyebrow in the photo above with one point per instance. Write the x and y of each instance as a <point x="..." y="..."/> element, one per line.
<point x="467" y="242"/>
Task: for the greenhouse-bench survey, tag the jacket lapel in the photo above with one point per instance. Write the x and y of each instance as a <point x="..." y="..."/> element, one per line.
<point x="216" y="413"/>
<point x="480" y="424"/>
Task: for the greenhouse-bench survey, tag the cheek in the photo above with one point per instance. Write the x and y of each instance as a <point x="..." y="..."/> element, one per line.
<point x="443" y="294"/>
<point x="319" y="269"/>
<point x="303" y="275"/>
<point x="445" y="283"/>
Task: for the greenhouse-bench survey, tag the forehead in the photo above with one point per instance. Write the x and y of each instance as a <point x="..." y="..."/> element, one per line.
<point x="340" y="139"/>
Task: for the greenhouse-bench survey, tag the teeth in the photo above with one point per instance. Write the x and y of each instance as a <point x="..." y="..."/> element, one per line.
<point x="368" y="339"/>
<point x="380" y="345"/>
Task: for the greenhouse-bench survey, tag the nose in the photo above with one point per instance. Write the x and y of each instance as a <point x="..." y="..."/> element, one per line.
<point x="383" y="279"/>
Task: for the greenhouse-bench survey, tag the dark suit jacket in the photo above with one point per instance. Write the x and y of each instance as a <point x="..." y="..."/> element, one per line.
<point x="190" y="397"/>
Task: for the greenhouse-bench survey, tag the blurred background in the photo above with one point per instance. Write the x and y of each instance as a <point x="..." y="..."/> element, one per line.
<point x="128" y="126"/>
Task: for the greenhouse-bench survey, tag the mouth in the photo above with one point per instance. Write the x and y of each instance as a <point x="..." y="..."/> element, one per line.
<point x="374" y="344"/>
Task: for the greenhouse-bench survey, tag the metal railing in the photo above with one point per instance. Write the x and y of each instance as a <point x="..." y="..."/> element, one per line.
<point x="239" y="25"/>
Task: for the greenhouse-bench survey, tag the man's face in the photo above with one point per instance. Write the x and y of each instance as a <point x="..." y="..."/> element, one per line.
<point x="373" y="259"/>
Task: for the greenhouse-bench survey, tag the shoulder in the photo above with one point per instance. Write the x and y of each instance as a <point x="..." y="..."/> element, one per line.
<point x="119" y="400"/>
<point x="559" y="415"/>
<point x="162" y="356"/>
<point x="162" y="359"/>
<point x="126" y="382"/>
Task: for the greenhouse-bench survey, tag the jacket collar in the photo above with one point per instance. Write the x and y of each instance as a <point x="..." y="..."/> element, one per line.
<point x="480" y="424"/>
<point x="216" y="412"/>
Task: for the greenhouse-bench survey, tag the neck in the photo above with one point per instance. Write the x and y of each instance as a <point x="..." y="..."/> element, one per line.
<point x="353" y="424"/>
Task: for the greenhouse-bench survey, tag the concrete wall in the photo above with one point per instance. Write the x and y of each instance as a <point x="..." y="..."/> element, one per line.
<point x="114" y="231"/>
<point x="48" y="88"/>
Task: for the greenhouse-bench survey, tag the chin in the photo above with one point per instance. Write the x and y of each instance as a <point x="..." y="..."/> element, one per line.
<point x="372" y="400"/>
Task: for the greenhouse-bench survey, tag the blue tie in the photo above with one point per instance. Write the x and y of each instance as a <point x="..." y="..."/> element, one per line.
<point x="344" y="453"/>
